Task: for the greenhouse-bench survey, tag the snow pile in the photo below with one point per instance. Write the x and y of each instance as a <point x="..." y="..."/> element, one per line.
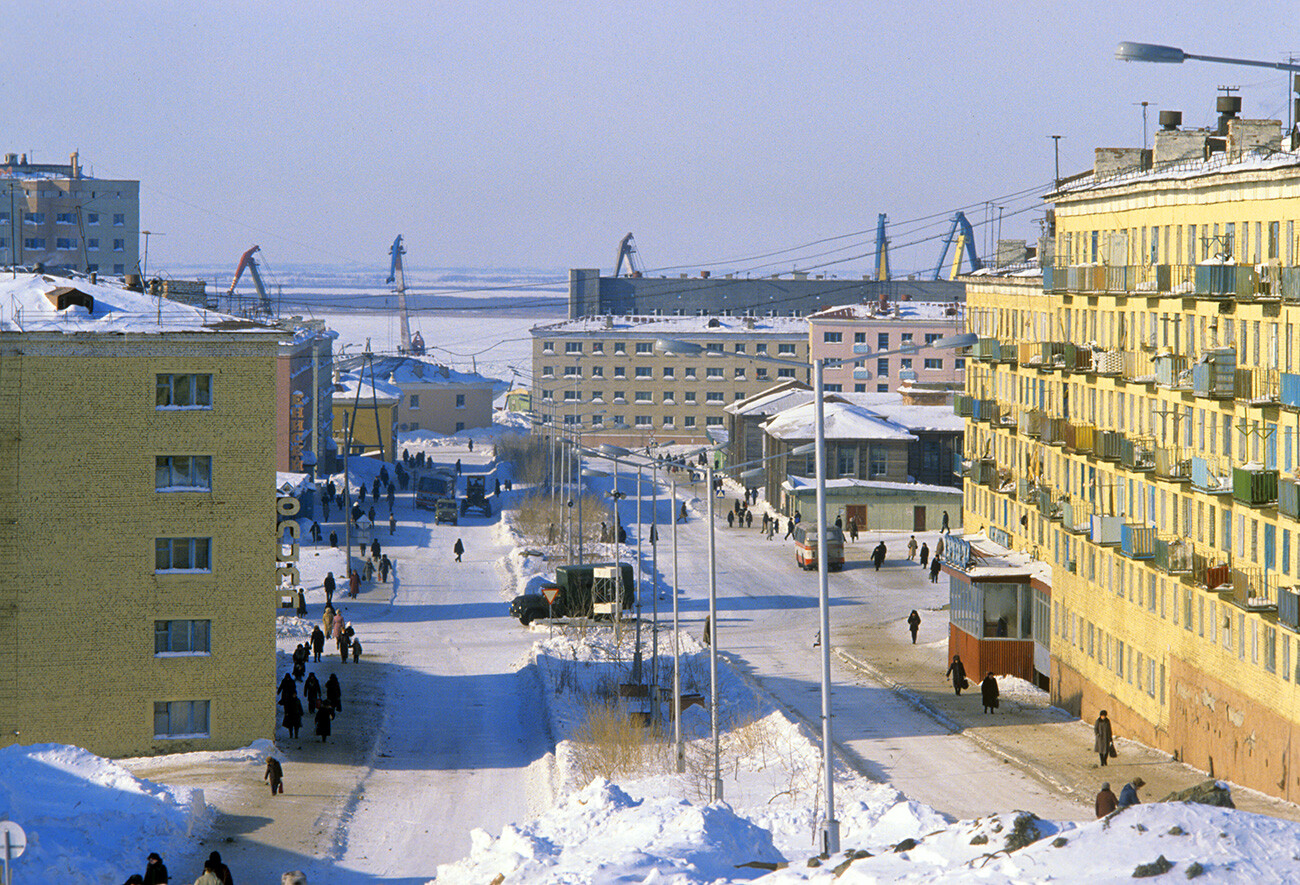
<point x="601" y="835"/>
<point x="88" y="818"/>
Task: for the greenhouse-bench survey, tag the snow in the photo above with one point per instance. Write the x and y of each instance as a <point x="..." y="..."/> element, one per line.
<point x="841" y="421"/>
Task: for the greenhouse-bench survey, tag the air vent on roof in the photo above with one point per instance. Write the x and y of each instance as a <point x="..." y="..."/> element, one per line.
<point x="65" y="297"/>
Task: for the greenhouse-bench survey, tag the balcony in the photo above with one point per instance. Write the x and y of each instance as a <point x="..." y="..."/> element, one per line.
<point x="1082" y="362"/>
<point x="986" y="473"/>
<point x="1108" y="445"/>
<point x="1054" y="355"/>
<point x="1288" y="606"/>
<point x="1108" y="362"/>
<point x="1173" y="556"/>
<point x="1290" y="283"/>
<point x="1222" y="282"/>
<point x="1004" y="416"/>
<point x="1254" y="487"/>
<point x="1211" y="475"/>
<point x="1076" y="516"/>
<point x="1085" y="278"/>
<point x="1209" y="572"/>
<point x="1290" y="391"/>
<point x="1215" y="374"/>
<point x="1288" y="497"/>
<point x="1048" y="505"/>
<point x="1254" y="589"/>
<point x="1029" y="353"/>
<point x="1008" y="352"/>
<point x="963" y="405"/>
<point x="1139" y="367"/>
<point x="1031" y="422"/>
<point x="1078" y="438"/>
<point x="1053" y="431"/>
<point x="1026" y="491"/>
<point x="1172" y="372"/>
<point x="1257" y="387"/>
<point x="1137" y="541"/>
<point x="986" y="349"/>
<point x="982" y="410"/>
<point x="1173" y="463"/>
<point x="1138" y="453"/>
<point x="1105" y="530"/>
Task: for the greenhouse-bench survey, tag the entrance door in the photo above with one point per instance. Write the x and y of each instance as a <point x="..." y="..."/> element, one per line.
<point x="918" y="519"/>
<point x="857" y="513"/>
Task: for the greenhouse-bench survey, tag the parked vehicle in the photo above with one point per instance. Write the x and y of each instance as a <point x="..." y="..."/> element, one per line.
<point x="432" y="487"/>
<point x="446" y="511"/>
<point x="805" y="546"/>
<point x="575" y="597"/>
<point x="476" y="496"/>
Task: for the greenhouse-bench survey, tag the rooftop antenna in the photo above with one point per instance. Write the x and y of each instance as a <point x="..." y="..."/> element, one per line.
<point x="1145" y="105"/>
<point x="1056" y="147"/>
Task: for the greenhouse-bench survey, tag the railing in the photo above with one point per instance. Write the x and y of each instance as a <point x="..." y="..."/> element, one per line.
<point x="1105" y="530"/>
<point x="982" y="410"/>
<point x="1215" y="375"/>
<point x="1257" y="387"/>
<point x="1109" y="445"/>
<point x="986" y="349"/>
<point x="1173" y="556"/>
<point x="1290" y="390"/>
<point x="1076" y="516"/>
<point x="1172" y="371"/>
<point x="1026" y="490"/>
<point x="1139" y="367"/>
<point x="963" y="404"/>
<point x="1031" y="422"/>
<point x="1008" y="352"/>
<point x="1079" y="438"/>
<point x="1029" y="353"/>
<point x="1288" y="606"/>
<point x="1173" y="462"/>
<point x="1048" y="505"/>
<point x="1221" y="282"/>
<point x="1004" y="415"/>
<point x="1053" y="355"/>
<point x="1138" y="453"/>
<point x="986" y="472"/>
<point x="1082" y="362"/>
<point x="1137" y="541"/>
<point x="1209" y="571"/>
<point x="1288" y="497"/>
<point x="1254" y="487"/>
<point x="1108" y="362"/>
<point x="1053" y="431"/>
<point x="1211" y="475"/>
<point x="1254" y="589"/>
<point x="1290" y="283"/>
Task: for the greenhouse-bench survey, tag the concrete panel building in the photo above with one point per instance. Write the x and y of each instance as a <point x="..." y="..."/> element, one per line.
<point x="61" y="218"/>
<point x="882" y="326"/>
<point x="137" y="522"/>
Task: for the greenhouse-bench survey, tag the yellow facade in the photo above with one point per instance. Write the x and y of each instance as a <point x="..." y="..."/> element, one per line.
<point x="1132" y="417"/>
<point x="82" y="593"/>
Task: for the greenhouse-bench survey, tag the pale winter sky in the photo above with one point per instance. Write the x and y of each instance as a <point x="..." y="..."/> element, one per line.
<point x="537" y="134"/>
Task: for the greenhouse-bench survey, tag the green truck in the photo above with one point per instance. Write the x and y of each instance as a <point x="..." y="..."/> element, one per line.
<point x="575" y="584"/>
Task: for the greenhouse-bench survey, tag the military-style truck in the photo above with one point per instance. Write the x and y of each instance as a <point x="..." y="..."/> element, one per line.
<point x="584" y="591"/>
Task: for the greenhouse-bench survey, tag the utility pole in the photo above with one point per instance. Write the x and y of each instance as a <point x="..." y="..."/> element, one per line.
<point x="1145" y="105"/>
<point x="144" y="267"/>
<point x="1056" y="145"/>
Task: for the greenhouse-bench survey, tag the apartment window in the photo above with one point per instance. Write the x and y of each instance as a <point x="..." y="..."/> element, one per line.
<point x="643" y="372"/>
<point x="668" y="398"/>
<point x="905" y="339"/>
<point x="787" y="349"/>
<point x="882" y="340"/>
<point x="877" y="461"/>
<point x="180" y="719"/>
<point x="740" y="373"/>
<point x="119" y="245"/>
<point x="460" y="425"/>
<point x="859" y="388"/>
<point x="620" y="347"/>
<point x="832" y="337"/>
<point x="35" y="218"/>
<point x="643" y="421"/>
<point x="882" y="367"/>
<point x="931" y="337"/>
<point x="859" y="337"/>
<point x="65" y="218"/>
<point x="182" y="637"/>
<point x="598" y="396"/>
<point x="689" y="396"/>
<point x="414" y="401"/>
<point x="740" y="348"/>
<point x="668" y="372"/>
<point x="597" y="420"/>
<point x="934" y="363"/>
<point x="65" y="244"/>
<point x="184" y="391"/>
<point x="92" y="218"/>
<point x="598" y="371"/>
<point x="713" y="397"/>
<point x="620" y="371"/>
<point x="571" y="419"/>
<point x="570" y="396"/>
<point x="713" y="347"/>
<point x="760" y="348"/>
<point x="119" y="219"/>
<point x="548" y="347"/>
<point x="834" y="388"/>
<point x="182" y="554"/>
<point x="713" y="422"/>
<point x="186" y="473"/>
<point x="959" y="363"/>
<point x="689" y="373"/>
<point x="548" y="371"/>
<point x="92" y="243"/>
<point x="573" y="347"/>
<point x="713" y="372"/>
<point x="644" y="347"/>
<point x="33" y="242"/>
<point x="460" y="400"/>
<point x="760" y="374"/>
<point x="598" y="347"/>
<point x="572" y="372"/>
<point x="643" y="396"/>
<point x="785" y="373"/>
<point x="688" y="421"/>
<point x="668" y="422"/>
<point x="905" y="362"/>
<point x="119" y="269"/>
<point x="620" y="396"/>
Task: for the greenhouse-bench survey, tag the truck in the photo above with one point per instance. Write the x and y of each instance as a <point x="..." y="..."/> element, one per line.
<point x="437" y="492"/>
<point x="475" y="496"/>
<point x="575" y="598"/>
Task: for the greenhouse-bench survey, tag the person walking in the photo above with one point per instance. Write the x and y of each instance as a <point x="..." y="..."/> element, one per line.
<point x="771" y="528"/>
<point x="338" y="630"/>
<point x="315" y="532"/>
<point x="324" y="713"/>
<point x="334" y="693"/>
<point x="302" y="604"/>
<point x="934" y="571"/>
<point x="914" y="624"/>
<point x="989" y="693"/>
<point x="458" y="467"/>
<point x="287" y="689"/>
<point x="1129" y="795"/>
<point x="944" y="527"/>
<point x="925" y="555"/>
<point x="911" y="548"/>
<point x="220" y="869"/>
<point x="356" y="651"/>
<point x="155" y="871"/>
<point x="210" y="876"/>
<point x="1105" y="802"/>
<point x="293" y="716"/>
<point x="274" y="774"/>
<point x="1103" y="742"/>
<point x="375" y="549"/>
<point x="334" y="539"/>
<point x="731" y="519"/>
<point x="354" y="584"/>
<point x="878" y="555"/>
<point x="317" y="642"/>
<point x="384" y="567"/>
<point x="957" y="670"/>
<point x="749" y="518"/>
<point x="392" y="524"/>
<point x="853" y="529"/>
<point x="327" y="620"/>
<point x="459" y="549"/>
<point x="789" y="527"/>
<point x="311" y="689"/>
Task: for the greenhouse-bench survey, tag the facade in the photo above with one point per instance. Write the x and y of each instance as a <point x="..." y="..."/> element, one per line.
<point x="876" y="506"/>
<point x="881" y="326"/>
<point x="795" y="294"/>
<point x="62" y="219"/>
<point x="603" y="375"/>
<point x="1132" y="422"/>
<point x="137" y="538"/>
<point x="432" y="397"/>
<point x="369" y="407"/>
<point x="305" y="392"/>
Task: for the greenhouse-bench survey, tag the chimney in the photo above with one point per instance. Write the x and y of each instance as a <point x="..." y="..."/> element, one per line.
<point x="1228" y="107"/>
<point x="704" y="274"/>
<point x="1171" y="120"/>
<point x="75" y="164"/>
<point x="1108" y="162"/>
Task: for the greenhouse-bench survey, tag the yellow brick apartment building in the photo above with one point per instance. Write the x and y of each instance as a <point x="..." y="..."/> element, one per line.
<point x="137" y="521"/>
<point x="1134" y="421"/>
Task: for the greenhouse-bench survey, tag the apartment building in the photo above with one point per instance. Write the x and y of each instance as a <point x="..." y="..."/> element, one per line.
<point x="60" y="218"/>
<point x="305" y="390"/>
<point x="604" y="376"/>
<point x="138" y="534"/>
<point x="1134" y="422"/>
<point x="884" y="326"/>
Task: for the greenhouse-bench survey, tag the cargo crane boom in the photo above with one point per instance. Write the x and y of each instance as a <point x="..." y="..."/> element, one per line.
<point x="627" y="249"/>
<point x="248" y="261"/>
<point x="966" y="240"/>
<point x="396" y="273"/>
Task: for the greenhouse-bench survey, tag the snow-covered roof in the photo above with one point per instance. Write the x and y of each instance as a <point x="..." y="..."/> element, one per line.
<point x="992" y="560"/>
<point x="898" y="311"/>
<point x="29" y="304"/>
<point x="842" y="421"/>
<point x="1258" y="160"/>
<point x="920" y="418"/>
<point x="382" y="391"/>
<point x="292" y="483"/>
<point x="799" y="483"/>
<point x="775" y="399"/>
<point x="668" y="327"/>
<point x="406" y="370"/>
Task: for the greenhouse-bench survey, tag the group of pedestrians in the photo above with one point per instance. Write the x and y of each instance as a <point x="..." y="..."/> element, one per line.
<point x="989" y="691"/>
<point x="215" y="872"/>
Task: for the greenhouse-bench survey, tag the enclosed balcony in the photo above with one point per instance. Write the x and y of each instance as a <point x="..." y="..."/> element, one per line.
<point x="1290" y="391"/>
<point x="1211" y="475"/>
<point x="1173" y="463"/>
<point x="1079" y="438"/>
<point x="1086" y="278"/>
<point x="1173" y="372"/>
<point x="1029" y="353"/>
<point x="1008" y="352"/>
<point x="1288" y="606"/>
<point x="1220" y="282"/>
<point x="986" y="349"/>
<point x="1053" y="431"/>
<point x="963" y="404"/>
<point x="982" y="410"/>
<point x="1210" y="571"/>
<point x="1004" y="416"/>
<point x="1026" y="490"/>
<point x="1076" y="516"/>
<point x="1288" y="497"/>
<point x="1254" y="486"/>
<point x="1257" y="387"/>
<point x="1055" y="355"/>
<point x="1138" y="453"/>
<point x="1105" y="530"/>
<point x="1173" y="556"/>
<point x="1108" y="445"/>
<point x="1137" y="541"/>
<point x="1289" y="283"/>
<point x="1031" y="422"/>
<point x="1082" y="362"/>
<point x="1108" y="362"/>
<point x="986" y="473"/>
<point x="1215" y="374"/>
<point x="1048" y="505"/>
<point x="1140" y="367"/>
<point x="1254" y="589"/>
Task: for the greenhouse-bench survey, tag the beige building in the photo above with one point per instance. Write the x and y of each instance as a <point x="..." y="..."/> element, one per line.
<point x="1132" y="420"/>
<point x="137" y="522"/>
<point x="596" y="372"/>
<point x="63" y="219"/>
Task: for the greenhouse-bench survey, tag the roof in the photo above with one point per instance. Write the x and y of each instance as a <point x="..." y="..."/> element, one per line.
<point x="842" y="421"/>
<point x="29" y="304"/>
<point x="899" y="311"/>
<point x="406" y="371"/>
<point x="988" y="559"/>
<point x="345" y="391"/>
<point x="775" y="399"/>
<point x="662" y="326"/>
<point x="1258" y="160"/>
<point x="798" y="483"/>
<point x="918" y="418"/>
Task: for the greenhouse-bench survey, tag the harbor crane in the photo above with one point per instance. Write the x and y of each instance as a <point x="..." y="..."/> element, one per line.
<point x="965" y="240"/>
<point x="627" y="249"/>
<point x="397" y="274"/>
<point x="248" y="261"/>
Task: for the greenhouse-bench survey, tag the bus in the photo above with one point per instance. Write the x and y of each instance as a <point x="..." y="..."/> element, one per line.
<point x="805" y="546"/>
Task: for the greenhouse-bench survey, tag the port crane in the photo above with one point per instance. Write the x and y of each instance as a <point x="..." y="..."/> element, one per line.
<point x="247" y="260"/>
<point x="882" y="248"/>
<point x="627" y="249"/>
<point x="397" y="275"/>
<point x="965" y="240"/>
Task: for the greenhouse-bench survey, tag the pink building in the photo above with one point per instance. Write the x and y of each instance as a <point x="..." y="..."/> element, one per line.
<point x="832" y="333"/>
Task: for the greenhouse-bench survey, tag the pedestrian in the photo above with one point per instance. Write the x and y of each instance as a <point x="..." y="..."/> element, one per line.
<point x="370" y="515"/>
<point x="392" y="524"/>
<point x="458" y="548"/>
<point x="383" y="475"/>
<point x="334" y="539"/>
<point x="368" y="570"/>
<point x="1106" y="801"/>
<point x="1129" y="795"/>
<point x="210" y="875"/>
<point x="914" y="624"/>
<point x="789" y="528"/>
<point x="763" y="525"/>
<point x="311" y="688"/>
<point x="853" y="529"/>
<point x="878" y="555"/>
<point x="797" y="517"/>
<point x="938" y="547"/>
<point x="911" y="547"/>
<point x="934" y="571"/>
<point x="327" y="619"/>
<point x="356" y="651"/>
<point x="324" y="713"/>
<point x="498" y="486"/>
<point x="384" y="566"/>
<point x="374" y="548"/>
<point x="731" y="519"/>
<point x="708" y="632"/>
<point x="771" y="528"/>
<point x="155" y="871"/>
<point x="839" y="523"/>
<point x="458" y="467"/>
<point x="354" y="584"/>
<point x="374" y="489"/>
<point x="989" y="693"/>
<point x="681" y="515"/>
<point x="944" y="527"/>
<point x="274" y="774"/>
<point x="317" y="642"/>
<point x="338" y="630"/>
<point x="287" y="688"/>
<point x="392" y="497"/>
<point x="957" y="670"/>
<point x="1103" y="743"/>
<point x="749" y="518"/>
<point x="302" y="604"/>
<point x="334" y="693"/>
<point x="361" y="495"/>
<point x="315" y="532"/>
<point x="325" y="508"/>
<point x="220" y="869"/>
<point x="925" y="555"/>
<point x="329" y="588"/>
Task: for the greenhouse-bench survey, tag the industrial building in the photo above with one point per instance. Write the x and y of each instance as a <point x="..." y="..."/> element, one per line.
<point x="1133" y="424"/>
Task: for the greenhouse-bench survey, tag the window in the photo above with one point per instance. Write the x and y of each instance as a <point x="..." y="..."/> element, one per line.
<point x="65" y="218"/>
<point x="785" y="373"/>
<point x="180" y="719"/>
<point x="905" y="339"/>
<point x="570" y="396"/>
<point x="905" y="362"/>
<point x="643" y="421"/>
<point x="119" y="219"/>
<point x="119" y="268"/>
<point x="188" y="473"/>
<point x="598" y="396"/>
<point x="931" y="337"/>
<point x="834" y="388"/>
<point x="620" y="371"/>
<point x="34" y="218"/>
<point x="620" y="397"/>
<point x="832" y="337"/>
<point x="934" y="363"/>
<point x="760" y="374"/>
<point x="644" y="347"/>
<point x="740" y="373"/>
<point x="959" y="363"/>
<point x="573" y="347"/>
<point x="597" y="420"/>
<point x="598" y="347"/>
<point x="119" y="245"/>
<point x="182" y="637"/>
<point x="713" y="397"/>
<point x="713" y="422"/>
<point x="548" y="347"/>
<point x="33" y="242"/>
<point x="668" y="422"/>
<point x="668" y="398"/>
<point x="713" y="347"/>
<point x="415" y="401"/>
<point x="688" y="421"/>
<point x="859" y="388"/>
<point x="460" y="425"/>
<point x="92" y="218"/>
<point x="690" y="396"/>
<point x="182" y="554"/>
<point x="548" y="371"/>
<point x="668" y="372"/>
<point x="92" y="243"/>
<point x="65" y="244"/>
<point x="785" y="349"/>
<point x="876" y="460"/>
<point x="570" y="419"/>
<point x="643" y="372"/>
<point x="460" y="400"/>
<point x="620" y="347"/>
<point x="740" y="348"/>
<point x="689" y="373"/>
<point x="184" y="391"/>
<point x="882" y="340"/>
<point x="572" y="372"/>
<point x="882" y="367"/>
<point x="760" y="348"/>
<point x="859" y="337"/>
<point x="713" y="372"/>
<point x="598" y="371"/>
<point x="643" y="396"/>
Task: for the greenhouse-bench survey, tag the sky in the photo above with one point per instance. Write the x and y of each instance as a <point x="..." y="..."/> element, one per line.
<point x="535" y="135"/>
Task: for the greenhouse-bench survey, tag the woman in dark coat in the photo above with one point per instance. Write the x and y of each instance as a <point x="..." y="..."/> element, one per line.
<point x="317" y="642"/>
<point x="288" y="688"/>
<point x="293" y="716"/>
<point x="989" y="693"/>
<point x="957" y="670"/>
<point x="914" y="624"/>
<point x="323" y="716"/>
<point x="1102" y="736"/>
<point x="311" y="688"/>
<point x="925" y="554"/>
<point x="334" y="692"/>
<point x="878" y="555"/>
<point x="459" y="549"/>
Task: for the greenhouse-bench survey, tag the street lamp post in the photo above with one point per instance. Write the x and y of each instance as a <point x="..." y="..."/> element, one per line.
<point x="1152" y="52"/>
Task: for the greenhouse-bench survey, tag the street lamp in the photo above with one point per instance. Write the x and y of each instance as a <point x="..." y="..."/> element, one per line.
<point x="830" y="830"/>
<point x="1152" y="52"/>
